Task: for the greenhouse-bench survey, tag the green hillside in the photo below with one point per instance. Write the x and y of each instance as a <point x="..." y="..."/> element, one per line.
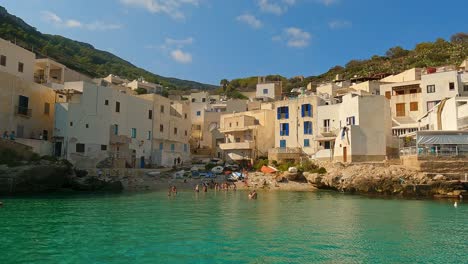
<point x="426" y="54"/>
<point x="81" y="57"/>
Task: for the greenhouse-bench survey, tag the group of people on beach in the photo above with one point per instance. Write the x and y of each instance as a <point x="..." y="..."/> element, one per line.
<point x="204" y="186"/>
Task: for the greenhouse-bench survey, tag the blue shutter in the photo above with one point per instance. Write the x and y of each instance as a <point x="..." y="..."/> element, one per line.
<point x="278" y="113"/>
<point x="287" y="129"/>
<point x="310" y="110"/>
<point x="287" y="112"/>
<point x="303" y="110"/>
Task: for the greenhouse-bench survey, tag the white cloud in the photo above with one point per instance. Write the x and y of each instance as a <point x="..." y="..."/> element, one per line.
<point x="50" y="17"/>
<point x="250" y="20"/>
<point x="294" y="37"/>
<point x="71" y="23"/>
<point x="171" y="8"/>
<point x="54" y="19"/>
<point x="337" y="24"/>
<point x="181" y="56"/>
<point x="276" y="7"/>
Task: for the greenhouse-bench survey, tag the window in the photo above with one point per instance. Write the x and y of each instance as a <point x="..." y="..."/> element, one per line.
<point x="162" y="108"/>
<point x="400" y="92"/>
<point x="400" y="109"/>
<point x="306" y="143"/>
<point x="237" y="124"/>
<point x="161" y="146"/>
<point x="185" y="116"/>
<point x="283" y="143"/>
<point x="465" y="87"/>
<point x="46" y="108"/>
<point x="117" y="107"/>
<point x="198" y="113"/>
<point x="265" y="91"/>
<point x="71" y="124"/>
<point x="106" y="102"/>
<point x="326" y="125"/>
<point x="230" y="124"/>
<point x="327" y="145"/>
<point x="116" y="130"/>
<point x="175" y="130"/>
<point x="284" y="129"/>
<point x="193" y="100"/>
<point x="185" y="148"/>
<point x="3" y="60"/>
<point x="172" y="147"/>
<point x="431" y="104"/>
<point x="150" y="114"/>
<point x="413" y="91"/>
<point x="186" y="132"/>
<point x="134" y="133"/>
<point x="306" y="110"/>
<point x="203" y="100"/>
<point x="87" y="125"/>
<point x="451" y="86"/>
<point x="307" y="128"/>
<point x="350" y="121"/>
<point x="282" y="112"/>
<point x="103" y="147"/>
<point x="149" y="135"/>
<point x="388" y="94"/>
<point x="161" y="128"/>
<point x="20" y="67"/>
<point x="23" y="105"/>
<point x="431" y="88"/>
<point x="80" y="148"/>
<point x="413" y="106"/>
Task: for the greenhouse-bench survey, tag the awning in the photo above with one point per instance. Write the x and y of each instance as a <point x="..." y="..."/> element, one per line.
<point x="441" y="139"/>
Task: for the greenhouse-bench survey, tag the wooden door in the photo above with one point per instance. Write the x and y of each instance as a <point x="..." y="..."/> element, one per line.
<point x="345" y="154"/>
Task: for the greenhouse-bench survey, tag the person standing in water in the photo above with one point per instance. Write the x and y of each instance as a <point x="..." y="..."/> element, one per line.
<point x="197" y="188"/>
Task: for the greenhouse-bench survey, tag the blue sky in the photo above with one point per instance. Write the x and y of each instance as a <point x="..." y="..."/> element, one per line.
<point x="207" y="40"/>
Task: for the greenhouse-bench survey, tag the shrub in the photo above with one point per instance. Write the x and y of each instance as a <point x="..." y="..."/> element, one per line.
<point x="10" y="157"/>
<point x="285" y="166"/>
<point x="307" y="165"/>
<point x="49" y="158"/>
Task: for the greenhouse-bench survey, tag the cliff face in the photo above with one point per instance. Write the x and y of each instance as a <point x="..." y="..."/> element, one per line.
<point x="385" y="180"/>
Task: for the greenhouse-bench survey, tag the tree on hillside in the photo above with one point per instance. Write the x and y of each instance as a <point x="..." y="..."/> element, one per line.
<point x="459" y="38"/>
<point x="224" y="84"/>
<point x="396" y="52"/>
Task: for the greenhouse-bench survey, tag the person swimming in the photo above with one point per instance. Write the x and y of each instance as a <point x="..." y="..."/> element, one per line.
<point x="253" y="195"/>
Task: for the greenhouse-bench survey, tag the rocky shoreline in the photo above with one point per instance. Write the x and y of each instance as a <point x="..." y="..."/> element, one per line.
<point x="386" y="180"/>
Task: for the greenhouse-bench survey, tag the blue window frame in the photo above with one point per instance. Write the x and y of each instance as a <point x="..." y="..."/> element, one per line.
<point x="149" y="135"/>
<point x="283" y="143"/>
<point x="265" y="91"/>
<point x="307" y="128"/>
<point x="306" y="143"/>
<point x="282" y="112"/>
<point x="350" y="121"/>
<point x="116" y="129"/>
<point x="185" y="148"/>
<point x="198" y="113"/>
<point x="161" y="146"/>
<point x="172" y="147"/>
<point x="134" y="133"/>
<point x="306" y="110"/>
<point x="284" y="129"/>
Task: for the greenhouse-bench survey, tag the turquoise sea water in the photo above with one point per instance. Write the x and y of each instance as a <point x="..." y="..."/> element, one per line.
<point x="279" y="227"/>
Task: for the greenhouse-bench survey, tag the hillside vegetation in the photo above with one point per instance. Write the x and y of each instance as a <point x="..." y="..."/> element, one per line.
<point x="397" y="59"/>
<point x="80" y="56"/>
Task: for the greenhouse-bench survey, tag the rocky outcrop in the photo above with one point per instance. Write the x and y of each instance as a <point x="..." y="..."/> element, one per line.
<point x="33" y="178"/>
<point x="383" y="180"/>
<point x="94" y="183"/>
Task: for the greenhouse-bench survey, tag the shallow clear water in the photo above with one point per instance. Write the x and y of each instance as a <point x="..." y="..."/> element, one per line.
<point x="279" y="227"/>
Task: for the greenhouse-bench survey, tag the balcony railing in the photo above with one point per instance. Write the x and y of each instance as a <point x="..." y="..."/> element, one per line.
<point x="446" y="151"/>
<point x="328" y="131"/>
<point x="23" y="111"/>
<point x="237" y="145"/>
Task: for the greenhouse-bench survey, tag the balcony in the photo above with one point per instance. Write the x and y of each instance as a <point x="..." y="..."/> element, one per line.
<point x="237" y="145"/>
<point x="406" y="98"/>
<point x="23" y="111"/>
<point x="328" y="131"/>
